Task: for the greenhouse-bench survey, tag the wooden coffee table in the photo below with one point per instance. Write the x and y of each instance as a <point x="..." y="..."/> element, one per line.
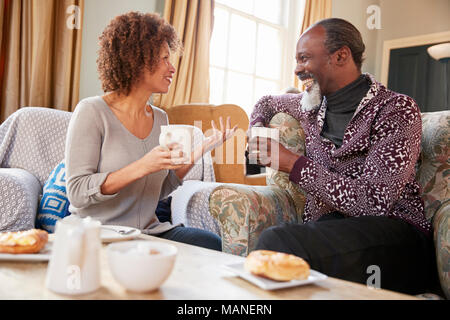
<point x="197" y="274"/>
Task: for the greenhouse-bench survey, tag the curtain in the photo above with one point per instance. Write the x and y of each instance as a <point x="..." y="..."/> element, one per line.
<point x="193" y="21"/>
<point x="40" y="54"/>
<point x="315" y="10"/>
<point x="4" y="9"/>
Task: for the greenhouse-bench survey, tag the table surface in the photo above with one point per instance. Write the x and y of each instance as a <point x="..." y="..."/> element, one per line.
<point x="197" y="274"/>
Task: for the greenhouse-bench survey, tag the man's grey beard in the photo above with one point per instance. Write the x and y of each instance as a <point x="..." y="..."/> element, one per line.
<point x="311" y="99"/>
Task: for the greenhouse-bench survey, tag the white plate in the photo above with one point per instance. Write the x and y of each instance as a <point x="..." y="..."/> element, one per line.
<point x="107" y="233"/>
<point x="43" y="255"/>
<point x="266" y="284"/>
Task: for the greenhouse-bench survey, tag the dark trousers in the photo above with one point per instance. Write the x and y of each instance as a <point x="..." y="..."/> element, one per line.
<point x="193" y="236"/>
<point x="370" y="250"/>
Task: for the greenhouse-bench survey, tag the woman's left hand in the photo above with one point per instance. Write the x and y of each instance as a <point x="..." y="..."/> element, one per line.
<point x="218" y="137"/>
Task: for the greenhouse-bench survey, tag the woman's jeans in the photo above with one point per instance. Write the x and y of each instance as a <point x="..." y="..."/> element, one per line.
<point x="193" y="236"/>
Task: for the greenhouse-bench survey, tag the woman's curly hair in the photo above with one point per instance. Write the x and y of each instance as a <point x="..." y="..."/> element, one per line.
<point x="130" y="43"/>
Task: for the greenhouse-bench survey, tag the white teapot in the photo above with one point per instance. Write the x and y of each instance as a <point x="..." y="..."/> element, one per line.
<point x="74" y="266"/>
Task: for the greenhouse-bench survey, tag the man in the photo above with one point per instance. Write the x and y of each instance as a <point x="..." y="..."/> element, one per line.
<point x="363" y="213"/>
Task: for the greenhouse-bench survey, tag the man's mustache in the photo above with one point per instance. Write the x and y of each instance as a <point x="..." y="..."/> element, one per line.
<point x="304" y="76"/>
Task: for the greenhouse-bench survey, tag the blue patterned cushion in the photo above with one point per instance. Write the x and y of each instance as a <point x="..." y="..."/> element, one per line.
<point x="54" y="204"/>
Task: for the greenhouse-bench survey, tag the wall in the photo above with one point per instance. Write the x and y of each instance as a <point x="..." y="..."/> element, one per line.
<point x="399" y="19"/>
<point x="406" y="18"/>
<point x="97" y="15"/>
<point x="354" y="11"/>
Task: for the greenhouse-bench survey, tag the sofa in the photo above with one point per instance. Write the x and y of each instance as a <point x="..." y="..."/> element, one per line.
<point x="245" y="211"/>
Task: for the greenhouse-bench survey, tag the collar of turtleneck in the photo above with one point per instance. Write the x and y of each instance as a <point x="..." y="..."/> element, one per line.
<point x="348" y="98"/>
<point x="341" y="105"/>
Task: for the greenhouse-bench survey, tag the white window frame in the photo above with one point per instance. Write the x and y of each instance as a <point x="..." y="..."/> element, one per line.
<point x="289" y="31"/>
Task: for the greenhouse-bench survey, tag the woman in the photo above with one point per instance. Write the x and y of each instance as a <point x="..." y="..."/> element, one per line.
<point x="116" y="170"/>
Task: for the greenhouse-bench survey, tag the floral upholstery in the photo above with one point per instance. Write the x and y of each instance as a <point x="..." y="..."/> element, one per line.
<point x="433" y="175"/>
<point x="433" y="171"/>
<point x="441" y="225"/>
<point x="244" y="211"/>
<point x="292" y="137"/>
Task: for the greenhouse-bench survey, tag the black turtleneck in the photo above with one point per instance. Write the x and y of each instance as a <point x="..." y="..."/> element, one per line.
<point x="341" y="105"/>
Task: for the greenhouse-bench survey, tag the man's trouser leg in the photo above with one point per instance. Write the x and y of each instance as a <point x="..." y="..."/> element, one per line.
<point x="355" y="248"/>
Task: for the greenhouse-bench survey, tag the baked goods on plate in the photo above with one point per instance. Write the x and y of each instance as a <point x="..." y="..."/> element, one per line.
<point x="29" y="241"/>
<point x="276" y="265"/>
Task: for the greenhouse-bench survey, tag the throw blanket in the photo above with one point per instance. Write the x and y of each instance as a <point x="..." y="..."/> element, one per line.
<point x="33" y="139"/>
<point x="31" y="144"/>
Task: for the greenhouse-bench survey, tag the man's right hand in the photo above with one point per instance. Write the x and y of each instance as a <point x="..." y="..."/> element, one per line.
<point x="247" y="151"/>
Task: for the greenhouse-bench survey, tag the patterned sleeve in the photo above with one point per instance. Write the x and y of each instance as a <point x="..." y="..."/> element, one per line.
<point x="389" y="166"/>
<point x="270" y="105"/>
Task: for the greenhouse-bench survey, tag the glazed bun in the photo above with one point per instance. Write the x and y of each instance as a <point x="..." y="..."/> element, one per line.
<point x="276" y="265"/>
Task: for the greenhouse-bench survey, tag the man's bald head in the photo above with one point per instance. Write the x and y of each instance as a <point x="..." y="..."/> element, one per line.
<point x="339" y="33"/>
<point x="329" y="54"/>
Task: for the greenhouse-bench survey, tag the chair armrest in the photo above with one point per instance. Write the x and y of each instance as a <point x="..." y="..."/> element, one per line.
<point x="190" y="205"/>
<point x="441" y="227"/>
<point x="256" y="179"/>
<point x="19" y="199"/>
<point x="243" y="212"/>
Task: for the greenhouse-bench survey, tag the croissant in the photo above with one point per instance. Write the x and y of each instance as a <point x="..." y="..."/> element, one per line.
<point x="29" y="241"/>
<point x="276" y="265"/>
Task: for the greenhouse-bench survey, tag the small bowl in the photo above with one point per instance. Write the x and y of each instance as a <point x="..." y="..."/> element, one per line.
<point x="141" y="265"/>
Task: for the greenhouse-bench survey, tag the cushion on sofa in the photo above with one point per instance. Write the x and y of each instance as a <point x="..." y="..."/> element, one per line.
<point x="441" y="225"/>
<point x="245" y="211"/>
<point x="54" y="204"/>
<point x="19" y="190"/>
<point x="434" y="165"/>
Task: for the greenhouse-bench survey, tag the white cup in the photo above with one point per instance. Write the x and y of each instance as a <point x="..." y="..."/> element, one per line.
<point x="273" y="134"/>
<point x="180" y="134"/>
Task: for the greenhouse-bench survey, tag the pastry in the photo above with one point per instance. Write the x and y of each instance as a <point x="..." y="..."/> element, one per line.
<point x="276" y="265"/>
<point x="29" y="241"/>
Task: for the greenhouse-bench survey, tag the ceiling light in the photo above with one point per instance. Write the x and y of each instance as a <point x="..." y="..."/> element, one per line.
<point x="440" y="51"/>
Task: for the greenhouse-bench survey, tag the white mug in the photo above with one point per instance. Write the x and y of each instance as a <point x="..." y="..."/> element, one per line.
<point x="74" y="266"/>
<point x="272" y="133"/>
<point x="180" y="134"/>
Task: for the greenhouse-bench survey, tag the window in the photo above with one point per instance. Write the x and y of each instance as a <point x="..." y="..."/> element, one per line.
<point x="252" y="50"/>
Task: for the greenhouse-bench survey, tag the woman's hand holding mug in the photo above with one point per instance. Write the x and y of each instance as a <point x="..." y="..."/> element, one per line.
<point x="164" y="158"/>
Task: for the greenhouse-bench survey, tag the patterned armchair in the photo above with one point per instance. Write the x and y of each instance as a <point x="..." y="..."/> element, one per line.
<point x="32" y="143"/>
<point x="245" y="211"/>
